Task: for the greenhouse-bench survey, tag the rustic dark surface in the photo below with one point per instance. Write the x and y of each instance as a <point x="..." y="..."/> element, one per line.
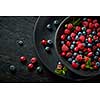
<point x="13" y="29"/>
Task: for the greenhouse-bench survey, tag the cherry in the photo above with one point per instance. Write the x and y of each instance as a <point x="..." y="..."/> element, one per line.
<point x="33" y="60"/>
<point x="79" y="58"/>
<point x="70" y="26"/>
<point x="65" y="48"/>
<point x="67" y="31"/>
<point x="63" y="37"/>
<point x="23" y="59"/>
<point x="90" y="40"/>
<point x="90" y="54"/>
<point x="78" y="28"/>
<point x="98" y="34"/>
<point x="30" y="66"/>
<point x="44" y="42"/>
<point x="83" y="66"/>
<point x="74" y="65"/>
<point x="99" y="59"/>
<point x="82" y="38"/>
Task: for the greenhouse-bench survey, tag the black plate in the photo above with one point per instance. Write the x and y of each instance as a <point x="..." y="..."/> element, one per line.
<point x="88" y="73"/>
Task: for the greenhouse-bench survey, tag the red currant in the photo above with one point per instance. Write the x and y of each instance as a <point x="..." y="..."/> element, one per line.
<point x="83" y="66"/>
<point x="78" y="28"/>
<point x="64" y="48"/>
<point x="44" y="42"/>
<point x="85" y="24"/>
<point x="74" y="65"/>
<point x="90" y="40"/>
<point x="33" y="60"/>
<point x="23" y="58"/>
<point x="90" y="54"/>
<point x="63" y="37"/>
<point x="88" y="31"/>
<point x="67" y="31"/>
<point x="79" y="58"/>
<point x="68" y="43"/>
<point x="96" y="25"/>
<point x="82" y="38"/>
<point x="30" y="66"/>
<point x="70" y="26"/>
<point x="95" y="21"/>
<point x="63" y="53"/>
<point x="98" y="34"/>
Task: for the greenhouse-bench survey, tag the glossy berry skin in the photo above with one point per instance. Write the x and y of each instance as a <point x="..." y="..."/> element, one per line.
<point x="95" y="21"/>
<point x="68" y="43"/>
<point x="83" y="67"/>
<point x="76" y="49"/>
<point x="69" y="54"/>
<point x="86" y="58"/>
<point x="33" y="60"/>
<point x="89" y="49"/>
<point x="91" y="26"/>
<point x="98" y="45"/>
<point x="98" y="64"/>
<point x="70" y="26"/>
<point x="98" y="34"/>
<point x="90" y="54"/>
<point x="96" y="25"/>
<point x="44" y="42"/>
<point x="67" y="31"/>
<point x="63" y="54"/>
<point x="82" y="38"/>
<point x="30" y="66"/>
<point x="74" y="65"/>
<point x="73" y="34"/>
<point x="79" y="58"/>
<point x="23" y="59"/>
<point x="78" y="28"/>
<point x="88" y="31"/>
<point x="89" y="20"/>
<point x="95" y="67"/>
<point x="64" y="48"/>
<point x="63" y="37"/>
<point x="90" y="40"/>
<point x="85" y="24"/>
<point x="81" y="46"/>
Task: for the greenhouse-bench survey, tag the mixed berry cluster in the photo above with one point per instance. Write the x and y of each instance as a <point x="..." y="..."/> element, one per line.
<point x="80" y="44"/>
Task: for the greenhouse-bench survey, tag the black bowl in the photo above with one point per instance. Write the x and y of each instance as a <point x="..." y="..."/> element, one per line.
<point x="87" y="73"/>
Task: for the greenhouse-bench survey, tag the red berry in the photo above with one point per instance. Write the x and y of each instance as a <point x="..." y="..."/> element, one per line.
<point x="99" y="59"/>
<point x="79" y="58"/>
<point x="82" y="38"/>
<point x="69" y="54"/>
<point x="86" y="58"/>
<point x="98" y="29"/>
<point x="91" y="25"/>
<point x="64" y="48"/>
<point x="70" y="26"/>
<point x="81" y="46"/>
<point x="90" y="40"/>
<point x="95" y="37"/>
<point x="76" y="49"/>
<point x="89" y="49"/>
<point x="88" y="31"/>
<point x="78" y="28"/>
<point x="83" y="66"/>
<point x="33" y="60"/>
<point x="98" y="45"/>
<point x="63" y="53"/>
<point x="23" y="58"/>
<point x="95" y="67"/>
<point x="98" y="34"/>
<point x="30" y="66"/>
<point x="73" y="34"/>
<point x="90" y="54"/>
<point x="96" y="25"/>
<point x="95" y="21"/>
<point x="67" y="31"/>
<point x="89" y="20"/>
<point x="94" y="48"/>
<point x="68" y="43"/>
<point x="93" y="63"/>
<point x="85" y="24"/>
<point x="78" y="42"/>
<point x="63" y="37"/>
<point x="44" y="42"/>
<point x="74" y="65"/>
<point x="85" y="49"/>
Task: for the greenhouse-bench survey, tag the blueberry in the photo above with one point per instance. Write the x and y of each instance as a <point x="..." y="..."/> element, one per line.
<point x="12" y="68"/>
<point x="59" y="63"/>
<point x="84" y="19"/>
<point x="49" y="27"/>
<point x="97" y="53"/>
<point x="50" y="42"/>
<point x="62" y="42"/>
<point x="83" y="28"/>
<point x="20" y="43"/>
<point x="98" y="49"/>
<point x="95" y="57"/>
<point x="56" y="22"/>
<point x="93" y="33"/>
<point x="69" y="59"/>
<point x="74" y="42"/>
<point x="80" y="52"/>
<point x="97" y="63"/>
<point x="75" y="54"/>
<point x="47" y="49"/>
<point x="89" y="45"/>
<point x="73" y="60"/>
<point x="68" y="38"/>
<point x="76" y="38"/>
<point x="79" y="33"/>
<point x="84" y="33"/>
<point x="72" y="47"/>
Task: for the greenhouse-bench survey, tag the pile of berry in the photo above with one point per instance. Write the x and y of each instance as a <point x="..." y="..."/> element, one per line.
<point x="80" y="44"/>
